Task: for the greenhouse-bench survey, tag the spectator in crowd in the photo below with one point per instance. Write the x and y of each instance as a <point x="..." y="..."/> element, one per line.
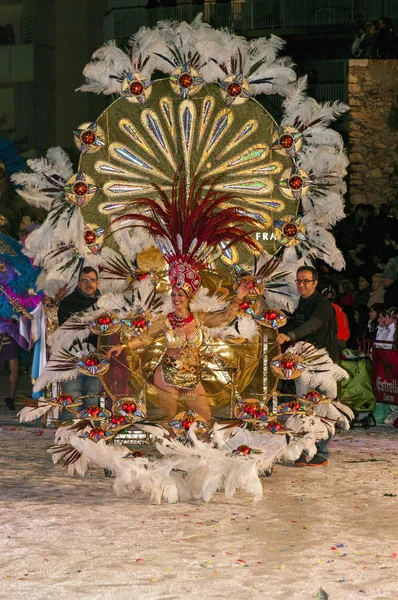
<point x="383" y="332"/>
<point x="368" y="44"/>
<point x="390" y="282"/>
<point x="374" y="312"/>
<point x="362" y="294"/>
<point x="377" y="293"/>
<point x="382" y="235"/>
<point x="390" y="323"/>
<point x="83" y="297"/>
<point x="386" y="39"/>
<point x="356" y="51"/>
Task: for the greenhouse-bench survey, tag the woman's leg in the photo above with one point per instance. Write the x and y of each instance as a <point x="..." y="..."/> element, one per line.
<point x="198" y="402"/>
<point x="14" y="376"/>
<point x="168" y="396"/>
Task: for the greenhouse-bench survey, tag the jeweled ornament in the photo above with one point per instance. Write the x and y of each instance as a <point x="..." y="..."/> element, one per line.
<point x="118" y="420"/>
<point x="129" y="407"/>
<point x="274" y="426"/>
<point x="243" y="449"/>
<point x="234" y="89"/>
<point x="97" y="432"/>
<point x="290" y="230"/>
<point x="296" y="182"/>
<point x="185" y="80"/>
<point x="65" y="399"/>
<point x="286" y="140"/>
<point x="271" y="315"/>
<point x="89" y="236"/>
<point x="136" y="88"/>
<point x="93" y="411"/>
<point x="104" y="320"/>
<point x="91" y="362"/>
<point x="251" y="408"/>
<point x="187" y="422"/>
<point x="287" y="363"/>
<point x="88" y="137"/>
<point x="80" y="188"/>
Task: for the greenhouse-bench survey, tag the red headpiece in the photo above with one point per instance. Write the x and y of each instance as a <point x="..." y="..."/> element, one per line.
<point x="189" y="226"/>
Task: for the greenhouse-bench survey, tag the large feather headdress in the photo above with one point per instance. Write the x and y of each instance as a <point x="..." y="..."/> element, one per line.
<point x="189" y="226"/>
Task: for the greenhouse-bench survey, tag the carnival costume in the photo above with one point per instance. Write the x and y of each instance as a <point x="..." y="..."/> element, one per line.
<point x="187" y="182"/>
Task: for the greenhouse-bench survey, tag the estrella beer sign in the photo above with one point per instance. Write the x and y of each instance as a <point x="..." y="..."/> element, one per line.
<point x="385" y="375"/>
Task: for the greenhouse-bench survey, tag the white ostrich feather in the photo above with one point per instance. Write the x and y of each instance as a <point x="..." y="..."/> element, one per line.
<point x="294" y="98"/>
<point x="325" y="214"/>
<point x="247" y="327"/>
<point x="48" y="376"/>
<point x="29" y="413"/>
<point x="203" y="302"/>
<point x="107" y="61"/>
<point x="326" y="247"/>
<point x="321" y="373"/>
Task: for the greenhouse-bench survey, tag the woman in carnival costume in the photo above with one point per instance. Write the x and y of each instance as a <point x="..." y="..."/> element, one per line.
<point x="188" y="232"/>
<point x="18" y="299"/>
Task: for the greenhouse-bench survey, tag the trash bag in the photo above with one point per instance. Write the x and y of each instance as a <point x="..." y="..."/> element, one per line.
<point x="357" y="391"/>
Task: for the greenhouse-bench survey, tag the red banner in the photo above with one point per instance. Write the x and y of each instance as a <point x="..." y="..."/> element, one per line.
<point x="385" y="375"/>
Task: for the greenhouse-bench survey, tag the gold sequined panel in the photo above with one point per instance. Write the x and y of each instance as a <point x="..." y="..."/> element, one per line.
<point x="146" y="144"/>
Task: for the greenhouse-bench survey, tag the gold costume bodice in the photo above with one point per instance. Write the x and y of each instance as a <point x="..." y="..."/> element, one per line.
<point x="176" y="339"/>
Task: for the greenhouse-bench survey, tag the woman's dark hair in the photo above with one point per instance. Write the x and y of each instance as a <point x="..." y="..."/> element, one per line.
<point x="377" y="307"/>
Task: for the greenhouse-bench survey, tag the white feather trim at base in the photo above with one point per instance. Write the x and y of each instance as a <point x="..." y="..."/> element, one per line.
<point x="30" y="413"/>
<point x="321" y="373"/>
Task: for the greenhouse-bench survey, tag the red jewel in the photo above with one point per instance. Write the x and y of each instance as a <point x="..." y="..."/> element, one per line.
<point x="244" y="305"/>
<point x="234" y="89"/>
<point x="115" y="421"/>
<point x="88" y="137"/>
<point x="296" y="182"/>
<point x="104" y="320"/>
<point x="129" y="407"/>
<point x="271" y="316"/>
<point x="137" y="453"/>
<point x="244" y="449"/>
<point x="91" y="361"/>
<point x="287" y="364"/>
<point x="80" y="188"/>
<point x="250" y="408"/>
<point x="187" y="422"/>
<point x="136" y="88"/>
<point x="286" y="140"/>
<point x="290" y="230"/>
<point x="89" y="236"/>
<point x="66" y="399"/>
<point x="185" y="80"/>
<point x="141" y="276"/>
<point x="312" y="394"/>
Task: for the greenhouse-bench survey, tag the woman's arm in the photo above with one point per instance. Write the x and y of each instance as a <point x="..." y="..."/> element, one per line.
<point x="141" y="341"/>
<point x="225" y="316"/>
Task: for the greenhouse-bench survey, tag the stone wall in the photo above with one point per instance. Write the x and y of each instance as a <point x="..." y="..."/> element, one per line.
<point x="373" y="131"/>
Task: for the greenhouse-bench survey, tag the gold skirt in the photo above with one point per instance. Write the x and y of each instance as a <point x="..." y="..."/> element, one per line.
<point x="179" y="375"/>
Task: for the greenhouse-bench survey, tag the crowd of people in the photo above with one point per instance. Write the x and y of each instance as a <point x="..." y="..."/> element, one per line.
<point x="376" y="40"/>
<point x="367" y="291"/>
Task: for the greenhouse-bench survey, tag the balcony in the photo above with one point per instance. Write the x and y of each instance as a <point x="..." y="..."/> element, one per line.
<point x="251" y="15"/>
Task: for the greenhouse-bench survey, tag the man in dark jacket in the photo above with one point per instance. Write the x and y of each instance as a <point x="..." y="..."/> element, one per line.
<point x="314" y="321"/>
<point x="83" y="297"/>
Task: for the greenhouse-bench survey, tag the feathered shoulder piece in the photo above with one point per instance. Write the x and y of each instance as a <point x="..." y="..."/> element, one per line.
<point x="189" y="226"/>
